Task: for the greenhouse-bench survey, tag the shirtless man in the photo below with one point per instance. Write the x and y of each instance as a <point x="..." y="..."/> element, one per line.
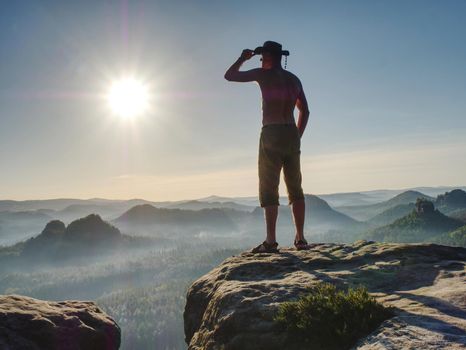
<point x="280" y="139"/>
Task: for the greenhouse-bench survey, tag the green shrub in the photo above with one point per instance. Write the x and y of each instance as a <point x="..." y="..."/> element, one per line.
<point x="331" y="319"/>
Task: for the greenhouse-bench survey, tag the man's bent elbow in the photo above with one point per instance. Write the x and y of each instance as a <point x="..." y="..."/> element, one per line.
<point x="305" y="113"/>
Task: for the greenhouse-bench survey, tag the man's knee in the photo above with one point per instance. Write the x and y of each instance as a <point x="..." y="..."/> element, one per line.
<point x="293" y="182"/>
<point x="268" y="188"/>
<point x="295" y="195"/>
<point x="267" y="198"/>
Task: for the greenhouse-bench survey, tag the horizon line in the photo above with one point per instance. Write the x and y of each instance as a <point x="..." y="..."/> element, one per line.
<point x="239" y="197"/>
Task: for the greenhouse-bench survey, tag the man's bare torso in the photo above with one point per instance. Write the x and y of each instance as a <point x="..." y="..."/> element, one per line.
<point x="280" y="90"/>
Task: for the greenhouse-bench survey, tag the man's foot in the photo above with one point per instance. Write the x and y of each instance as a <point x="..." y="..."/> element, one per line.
<point x="301" y="244"/>
<point x="265" y="247"/>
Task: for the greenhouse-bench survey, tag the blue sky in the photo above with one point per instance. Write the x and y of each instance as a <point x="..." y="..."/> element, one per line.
<point x="385" y="80"/>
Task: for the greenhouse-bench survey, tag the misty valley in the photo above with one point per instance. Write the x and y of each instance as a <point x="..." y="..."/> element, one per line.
<point x="136" y="258"/>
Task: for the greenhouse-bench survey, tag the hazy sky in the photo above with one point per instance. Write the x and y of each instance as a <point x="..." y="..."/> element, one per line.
<point x="386" y="83"/>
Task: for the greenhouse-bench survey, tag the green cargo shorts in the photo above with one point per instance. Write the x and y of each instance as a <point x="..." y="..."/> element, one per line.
<point x="279" y="146"/>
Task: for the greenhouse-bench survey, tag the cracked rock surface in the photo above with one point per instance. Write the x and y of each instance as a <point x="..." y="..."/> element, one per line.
<point x="232" y="306"/>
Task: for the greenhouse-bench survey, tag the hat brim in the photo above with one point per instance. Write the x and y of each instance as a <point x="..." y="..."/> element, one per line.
<point x="260" y="50"/>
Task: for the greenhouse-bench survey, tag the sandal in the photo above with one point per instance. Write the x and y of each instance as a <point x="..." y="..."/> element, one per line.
<point x="265" y="247"/>
<point x="301" y="244"/>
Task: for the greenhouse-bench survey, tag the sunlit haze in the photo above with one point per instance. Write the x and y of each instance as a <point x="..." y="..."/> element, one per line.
<point x="127" y="99"/>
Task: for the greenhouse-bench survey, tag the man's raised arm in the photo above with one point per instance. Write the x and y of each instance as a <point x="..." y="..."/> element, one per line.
<point x="233" y="73"/>
<point x="303" y="108"/>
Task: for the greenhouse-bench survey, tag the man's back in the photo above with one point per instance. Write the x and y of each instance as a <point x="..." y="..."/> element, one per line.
<point x="280" y="90"/>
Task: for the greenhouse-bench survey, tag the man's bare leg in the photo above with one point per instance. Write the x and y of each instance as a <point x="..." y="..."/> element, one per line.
<point x="298" y="207"/>
<point x="271" y="214"/>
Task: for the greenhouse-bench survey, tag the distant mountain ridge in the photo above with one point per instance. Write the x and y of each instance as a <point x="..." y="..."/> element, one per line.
<point x="18" y="225"/>
<point x="199" y="205"/>
<point x="61" y="203"/>
<point x="148" y="220"/>
<point x="89" y="233"/>
<point x="351" y="198"/>
<point x="366" y="212"/>
<point x="147" y="217"/>
<point x="424" y="223"/>
<point x="378" y="196"/>
<point x="451" y="201"/>
<point x="391" y="214"/>
<point x="318" y="213"/>
<point x="232" y="213"/>
<point x="319" y="210"/>
<point x="88" y="236"/>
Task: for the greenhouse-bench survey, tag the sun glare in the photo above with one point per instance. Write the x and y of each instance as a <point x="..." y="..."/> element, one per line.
<point x="128" y="97"/>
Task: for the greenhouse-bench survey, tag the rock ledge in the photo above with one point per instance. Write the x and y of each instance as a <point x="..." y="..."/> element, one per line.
<point x="232" y="306"/>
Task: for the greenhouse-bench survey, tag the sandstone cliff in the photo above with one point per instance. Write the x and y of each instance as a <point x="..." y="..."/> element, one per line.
<point x="32" y="324"/>
<point x="232" y="307"/>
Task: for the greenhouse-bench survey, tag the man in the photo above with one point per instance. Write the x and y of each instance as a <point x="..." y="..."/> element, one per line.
<point x="280" y="139"/>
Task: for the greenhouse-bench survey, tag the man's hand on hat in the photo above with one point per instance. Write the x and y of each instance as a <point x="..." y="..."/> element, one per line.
<point x="246" y="54"/>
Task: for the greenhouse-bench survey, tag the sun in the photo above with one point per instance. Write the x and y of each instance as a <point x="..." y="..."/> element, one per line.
<point x="128" y="97"/>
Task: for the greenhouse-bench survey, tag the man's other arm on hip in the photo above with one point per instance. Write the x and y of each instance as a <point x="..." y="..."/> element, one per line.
<point x="301" y="104"/>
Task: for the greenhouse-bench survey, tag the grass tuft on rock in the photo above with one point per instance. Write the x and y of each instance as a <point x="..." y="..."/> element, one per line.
<point x="328" y="318"/>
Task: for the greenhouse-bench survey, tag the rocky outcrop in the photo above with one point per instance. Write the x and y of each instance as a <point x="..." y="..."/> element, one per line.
<point x="28" y="323"/>
<point x="86" y="237"/>
<point x="452" y="200"/>
<point x="233" y="306"/>
<point x="423" y="206"/>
